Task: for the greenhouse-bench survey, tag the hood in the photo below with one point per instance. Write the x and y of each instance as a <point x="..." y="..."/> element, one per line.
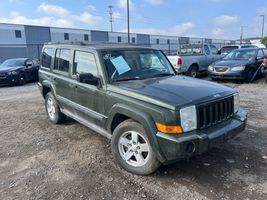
<point x="8" y="69"/>
<point x="231" y="63"/>
<point x="172" y="92"/>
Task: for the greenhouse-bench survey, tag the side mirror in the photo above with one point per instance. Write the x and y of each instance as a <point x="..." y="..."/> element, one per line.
<point x="89" y="79"/>
<point x="219" y="52"/>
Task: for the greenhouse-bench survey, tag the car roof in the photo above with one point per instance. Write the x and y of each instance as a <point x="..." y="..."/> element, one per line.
<point x="96" y="45"/>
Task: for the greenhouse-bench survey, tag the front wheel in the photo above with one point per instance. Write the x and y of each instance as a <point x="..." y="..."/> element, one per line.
<point x="53" y="110"/>
<point x="131" y="149"/>
<point x="21" y="79"/>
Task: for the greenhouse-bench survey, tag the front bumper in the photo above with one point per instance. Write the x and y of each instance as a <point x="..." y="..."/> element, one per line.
<point x="176" y="147"/>
<point x="228" y="75"/>
<point x="8" y="79"/>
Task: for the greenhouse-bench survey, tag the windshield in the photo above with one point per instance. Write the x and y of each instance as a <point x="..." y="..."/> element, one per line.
<point x="247" y="54"/>
<point x="122" y="65"/>
<point x="12" y="63"/>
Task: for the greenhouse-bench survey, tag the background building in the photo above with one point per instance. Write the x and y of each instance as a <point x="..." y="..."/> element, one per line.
<point x="27" y="41"/>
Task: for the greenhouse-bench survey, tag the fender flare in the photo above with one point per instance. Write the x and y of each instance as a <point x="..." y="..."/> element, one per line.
<point x="48" y="84"/>
<point x="144" y="119"/>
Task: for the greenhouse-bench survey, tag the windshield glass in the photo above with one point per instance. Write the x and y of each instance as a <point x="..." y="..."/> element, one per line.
<point x="12" y="63"/>
<point x="247" y="54"/>
<point x="136" y="64"/>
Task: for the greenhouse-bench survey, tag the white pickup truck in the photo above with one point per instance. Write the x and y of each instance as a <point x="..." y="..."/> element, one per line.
<point x="194" y="58"/>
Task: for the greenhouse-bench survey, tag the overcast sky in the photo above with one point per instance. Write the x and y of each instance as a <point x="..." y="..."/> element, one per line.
<point x="220" y="19"/>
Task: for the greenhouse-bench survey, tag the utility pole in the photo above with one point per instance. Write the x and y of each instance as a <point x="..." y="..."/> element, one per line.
<point x="128" y="21"/>
<point x="262" y="28"/>
<point x="111" y="17"/>
<point x="241" y="34"/>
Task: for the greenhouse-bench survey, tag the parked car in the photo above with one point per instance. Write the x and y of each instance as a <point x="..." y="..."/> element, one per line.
<point x="228" y="48"/>
<point x="194" y="58"/>
<point x="18" y="71"/>
<point x="132" y="96"/>
<point x="240" y="64"/>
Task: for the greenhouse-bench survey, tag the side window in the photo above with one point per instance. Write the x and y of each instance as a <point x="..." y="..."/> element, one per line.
<point x="62" y="60"/>
<point x="265" y="52"/>
<point x="214" y="50"/>
<point x="206" y="49"/>
<point x="46" y="58"/>
<point x="84" y="62"/>
<point x="260" y="54"/>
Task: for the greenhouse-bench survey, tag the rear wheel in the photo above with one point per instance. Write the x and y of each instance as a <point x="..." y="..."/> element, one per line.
<point x="53" y="110"/>
<point x="192" y="71"/>
<point x="132" y="150"/>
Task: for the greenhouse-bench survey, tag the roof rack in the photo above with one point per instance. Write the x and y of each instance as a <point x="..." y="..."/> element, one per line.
<point x="85" y="43"/>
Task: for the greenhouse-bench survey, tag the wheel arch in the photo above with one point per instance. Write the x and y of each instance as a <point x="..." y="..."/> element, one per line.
<point x="47" y="87"/>
<point x="121" y="112"/>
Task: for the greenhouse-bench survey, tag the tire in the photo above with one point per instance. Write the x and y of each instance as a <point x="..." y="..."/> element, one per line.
<point x="250" y="75"/>
<point x="132" y="150"/>
<point x="21" y="80"/>
<point x="192" y="71"/>
<point x="53" y="110"/>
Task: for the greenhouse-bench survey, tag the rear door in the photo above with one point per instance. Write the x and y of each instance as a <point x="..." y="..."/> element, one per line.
<point x="259" y="60"/>
<point x="60" y="76"/>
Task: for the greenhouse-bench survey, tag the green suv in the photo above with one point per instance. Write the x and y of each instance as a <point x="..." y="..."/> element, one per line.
<point x="132" y="95"/>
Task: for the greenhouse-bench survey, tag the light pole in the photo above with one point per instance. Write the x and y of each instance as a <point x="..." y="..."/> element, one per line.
<point x="262" y="28"/>
<point x="128" y="21"/>
<point x="241" y="34"/>
<point x="110" y="17"/>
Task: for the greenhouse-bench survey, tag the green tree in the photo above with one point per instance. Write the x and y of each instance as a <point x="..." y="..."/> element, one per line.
<point x="264" y="41"/>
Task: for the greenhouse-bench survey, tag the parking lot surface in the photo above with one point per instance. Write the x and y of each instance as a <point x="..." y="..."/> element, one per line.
<point x="39" y="160"/>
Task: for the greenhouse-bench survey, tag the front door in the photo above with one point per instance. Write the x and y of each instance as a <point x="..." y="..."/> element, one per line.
<point x="88" y="98"/>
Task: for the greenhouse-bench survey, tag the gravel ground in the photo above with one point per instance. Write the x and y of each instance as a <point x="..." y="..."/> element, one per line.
<point x="39" y="160"/>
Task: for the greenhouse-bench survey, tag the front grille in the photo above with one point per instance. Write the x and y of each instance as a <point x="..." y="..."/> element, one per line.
<point x="2" y="76"/>
<point x="215" y="112"/>
<point x="221" y="69"/>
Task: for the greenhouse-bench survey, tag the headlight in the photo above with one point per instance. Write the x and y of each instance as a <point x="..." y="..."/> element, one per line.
<point x="238" y="68"/>
<point x="236" y="102"/>
<point x="12" y="73"/>
<point x="188" y="118"/>
<point x="210" y="68"/>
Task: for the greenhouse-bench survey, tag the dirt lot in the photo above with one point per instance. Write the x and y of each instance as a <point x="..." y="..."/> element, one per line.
<point x="39" y="160"/>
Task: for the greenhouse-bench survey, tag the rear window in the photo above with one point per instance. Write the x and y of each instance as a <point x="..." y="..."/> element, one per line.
<point x="47" y="55"/>
<point x="228" y="49"/>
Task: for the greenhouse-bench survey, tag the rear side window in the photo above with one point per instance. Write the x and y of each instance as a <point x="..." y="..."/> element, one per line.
<point x="84" y="62"/>
<point x="47" y="55"/>
<point x="62" y="60"/>
<point x="260" y="54"/>
<point x="213" y="49"/>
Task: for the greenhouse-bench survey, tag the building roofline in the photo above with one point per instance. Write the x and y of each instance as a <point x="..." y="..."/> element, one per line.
<point x="82" y="29"/>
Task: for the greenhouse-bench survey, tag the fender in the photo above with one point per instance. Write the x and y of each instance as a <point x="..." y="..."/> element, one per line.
<point x="50" y="85"/>
<point x="141" y="117"/>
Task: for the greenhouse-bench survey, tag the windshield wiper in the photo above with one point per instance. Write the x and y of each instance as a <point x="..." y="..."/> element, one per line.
<point x="162" y="74"/>
<point x="126" y="79"/>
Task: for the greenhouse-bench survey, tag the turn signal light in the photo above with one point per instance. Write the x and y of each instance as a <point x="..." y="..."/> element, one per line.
<point x="169" y="129"/>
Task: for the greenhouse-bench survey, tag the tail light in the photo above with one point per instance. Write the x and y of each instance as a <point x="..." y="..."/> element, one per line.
<point x="264" y="61"/>
<point x="179" y="61"/>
